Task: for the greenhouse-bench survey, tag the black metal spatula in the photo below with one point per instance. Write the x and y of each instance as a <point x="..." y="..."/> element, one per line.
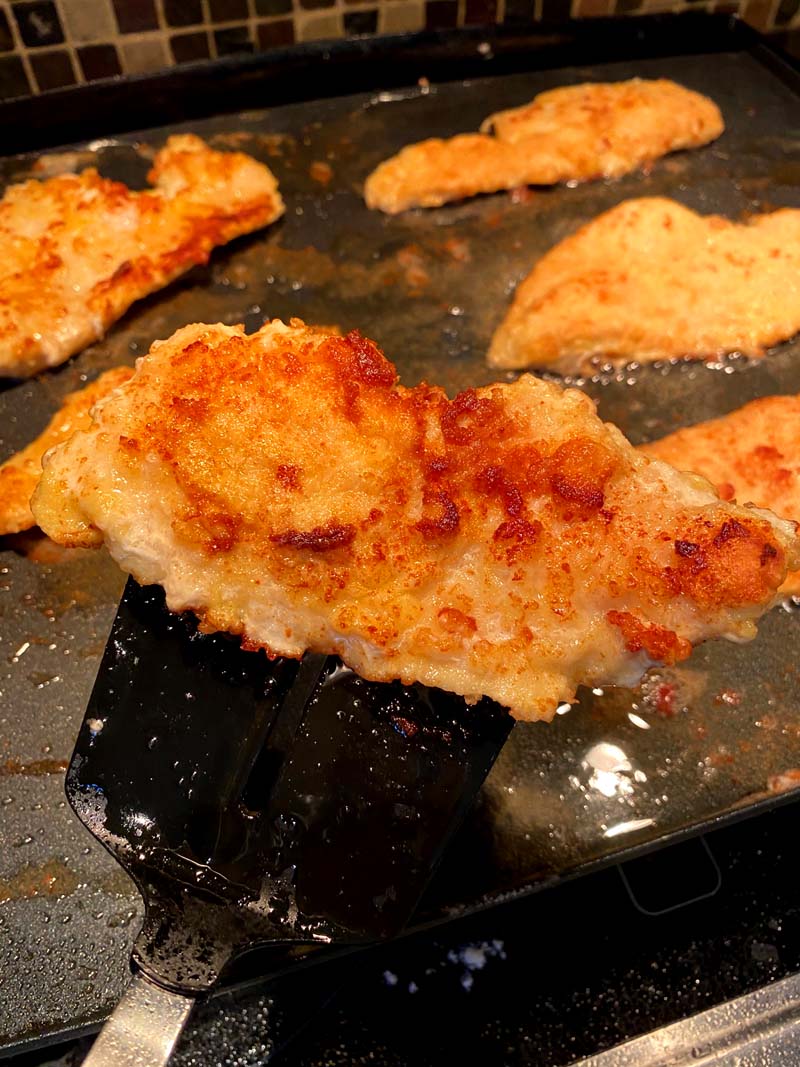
<point x="259" y="803"/>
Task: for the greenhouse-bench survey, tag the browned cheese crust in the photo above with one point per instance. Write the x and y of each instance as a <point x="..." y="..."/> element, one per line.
<point x="20" y="474"/>
<point x="751" y="455"/>
<point x="507" y="542"/>
<point x="651" y="280"/>
<point x="78" y="250"/>
<point x="580" y="132"/>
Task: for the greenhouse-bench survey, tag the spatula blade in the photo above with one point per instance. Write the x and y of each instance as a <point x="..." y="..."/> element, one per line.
<point x="259" y="801"/>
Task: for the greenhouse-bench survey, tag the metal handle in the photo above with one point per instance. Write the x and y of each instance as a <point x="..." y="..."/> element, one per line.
<point x="143" y="1029"/>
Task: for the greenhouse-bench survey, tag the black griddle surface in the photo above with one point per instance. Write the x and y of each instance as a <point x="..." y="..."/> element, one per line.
<point x="623" y="770"/>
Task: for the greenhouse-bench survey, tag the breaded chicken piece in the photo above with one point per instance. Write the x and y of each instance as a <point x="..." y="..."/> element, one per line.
<point x="752" y="455"/>
<point x="576" y="133"/>
<point x="79" y="249"/>
<point x="20" y="474"/>
<point x="650" y="280"/>
<point x="284" y="487"/>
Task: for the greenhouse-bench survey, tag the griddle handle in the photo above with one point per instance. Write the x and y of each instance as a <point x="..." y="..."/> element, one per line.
<point x="143" y="1029"/>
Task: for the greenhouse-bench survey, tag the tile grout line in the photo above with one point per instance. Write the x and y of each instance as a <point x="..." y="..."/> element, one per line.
<point x="72" y="51"/>
<point x="21" y="49"/>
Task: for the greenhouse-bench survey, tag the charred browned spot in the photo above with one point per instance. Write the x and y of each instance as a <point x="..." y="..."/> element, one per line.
<point x="191" y="406"/>
<point x="288" y="476"/>
<point x="360" y="360"/>
<point x="767" y="453"/>
<point x="216" y="531"/>
<point x="318" y="539"/>
<point x="129" y="444"/>
<point x="51" y="879"/>
<point x="436" y="466"/>
<point x="514" y="538"/>
<point x="469" y="417"/>
<point x="659" y="643"/>
<point x="579" y="471"/>
<point x="456" y="622"/>
<point x="730" y="529"/>
<point x="493" y="481"/>
<point x="768" y="552"/>
<point x="446" y="522"/>
<point x="33" y="768"/>
<point x="742" y="563"/>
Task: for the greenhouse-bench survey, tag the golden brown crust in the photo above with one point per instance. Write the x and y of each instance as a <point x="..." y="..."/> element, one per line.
<point x="286" y="488"/>
<point x="20" y="474"/>
<point x="650" y="280"/>
<point x="78" y="250"/>
<point x="751" y="455"/>
<point x="575" y="133"/>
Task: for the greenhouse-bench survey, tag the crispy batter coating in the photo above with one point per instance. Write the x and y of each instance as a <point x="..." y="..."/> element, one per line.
<point x="78" y="250"/>
<point x="285" y="488"/>
<point x="650" y="280"/>
<point x="576" y="133"/>
<point x="751" y="455"/>
<point x="20" y="474"/>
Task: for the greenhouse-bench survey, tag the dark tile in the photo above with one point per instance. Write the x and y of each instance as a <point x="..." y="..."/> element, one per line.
<point x="626" y="7"/>
<point x="477" y="12"/>
<point x="275" y="34"/>
<point x="356" y="22"/>
<point x="593" y="8"/>
<point x="135" y="16"/>
<point x="99" y="61"/>
<point x="38" y="23"/>
<point x="273" y="7"/>
<point x="314" y="5"/>
<point x="182" y="12"/>
<point x="6" y="38"/>
<point x="13" y="79"/>
<point x="227" y="10"/>
<point x="787" y="9"/>
<point x="519" y="12"/>
<point x="789" y="41"/>
<point x="52" y="70"/>
<point x="187" y="47"/>
<point x="440" y="14"/>
<point x="233" y="40"/>
<point x="555" y="10"/>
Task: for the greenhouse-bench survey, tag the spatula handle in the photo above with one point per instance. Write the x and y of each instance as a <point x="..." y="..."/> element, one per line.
<point x="143" y="1029"/>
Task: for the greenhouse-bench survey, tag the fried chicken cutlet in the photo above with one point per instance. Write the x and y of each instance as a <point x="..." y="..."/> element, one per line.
<point x="20" y="474"/>
<point x="650" y="280"/>
<point x="79" y="249"/>
<point x="752" y="455"/>
<point x="285" y="488"/>
<point x="576" y="133"/>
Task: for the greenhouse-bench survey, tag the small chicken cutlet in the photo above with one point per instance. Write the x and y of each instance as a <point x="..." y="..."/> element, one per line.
<point x="79" y="249"/>
<point x="505" y="543"/>
<point x="752" y="455"/>
<point x="576" y="133"/>
<point x="20" y="474"/>
<point x="650" y="280"/>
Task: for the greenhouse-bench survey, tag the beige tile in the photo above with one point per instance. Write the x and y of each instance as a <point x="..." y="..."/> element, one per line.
<point x="401" y="17"/>
<point x="143" y="55"/>
<point x="320" y="27"/>
<point x="88" y="20"/>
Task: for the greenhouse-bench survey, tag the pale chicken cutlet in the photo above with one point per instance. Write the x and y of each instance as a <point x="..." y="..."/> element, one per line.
<point x="652" y="280"/>
<point x="20" y="474"/>
<point x="752" y="455"/>
<point x="576" y="133"/>
<point x="79" y="249"/>
<point x="505" y="543"/>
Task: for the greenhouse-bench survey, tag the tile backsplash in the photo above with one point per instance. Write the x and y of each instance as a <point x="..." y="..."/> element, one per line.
<point x="48" y="44"/>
